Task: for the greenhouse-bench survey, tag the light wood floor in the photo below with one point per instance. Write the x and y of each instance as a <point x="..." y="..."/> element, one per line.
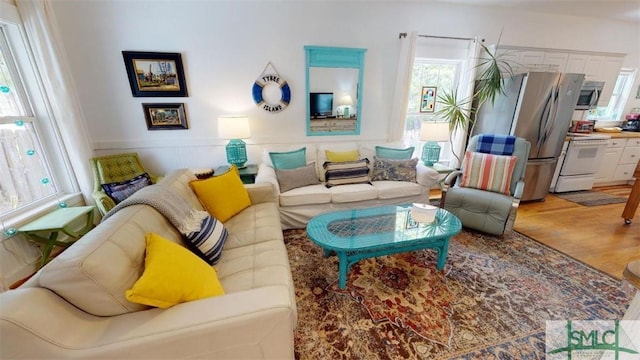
<point x="595" y="235"/>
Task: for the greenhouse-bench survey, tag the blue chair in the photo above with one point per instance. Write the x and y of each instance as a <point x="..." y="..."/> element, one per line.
<point x="482" y="210"/>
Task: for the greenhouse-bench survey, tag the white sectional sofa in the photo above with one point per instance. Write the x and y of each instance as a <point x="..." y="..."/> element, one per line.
<point x="75" y="306"/>
<point x="300" y="204"/>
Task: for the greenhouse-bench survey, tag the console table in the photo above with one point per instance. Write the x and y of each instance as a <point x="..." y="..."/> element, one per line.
<point x="54" y="223"/>
<point x="247" y="173"/>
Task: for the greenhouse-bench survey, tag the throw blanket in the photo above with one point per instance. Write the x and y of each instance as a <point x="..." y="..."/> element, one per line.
<point x="175" y="208"/>
<point x="204" y="234"/>
<point x="496" y="144"/>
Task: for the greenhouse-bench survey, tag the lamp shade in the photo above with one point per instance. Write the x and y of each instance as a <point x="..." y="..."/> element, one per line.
<point x="346" y="100"/>
<point x="434" y="131"/>
<point x="233" y="127"/>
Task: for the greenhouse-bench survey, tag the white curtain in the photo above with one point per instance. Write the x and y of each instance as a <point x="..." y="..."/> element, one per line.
<point x="41" y="30"/>
<point x="465" y="91"/>
<point x="403" y="84"/>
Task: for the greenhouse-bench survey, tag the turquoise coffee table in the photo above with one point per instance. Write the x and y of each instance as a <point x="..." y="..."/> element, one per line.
<point x="365" y="233"/>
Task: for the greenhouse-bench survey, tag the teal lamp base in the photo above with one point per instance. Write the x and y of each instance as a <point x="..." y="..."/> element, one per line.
<point x="236" y="152"/>
<point x="430" y="153"/>
<point x="346" y="112"/>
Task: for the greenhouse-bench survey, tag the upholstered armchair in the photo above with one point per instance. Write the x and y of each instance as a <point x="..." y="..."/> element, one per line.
<point x="481" y="194"/>
<point x="114" y="169"/>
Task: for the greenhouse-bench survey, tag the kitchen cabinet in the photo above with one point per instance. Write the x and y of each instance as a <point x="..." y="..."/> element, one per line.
<point x="556" y="59"/>
<point x="608" y="164"/>
<point x="618" y="162"/>
<point x="603" y="68"/>
<point x="525" y="60"/>
<point x="596" y="66"/>
<point x="575" y="63"/>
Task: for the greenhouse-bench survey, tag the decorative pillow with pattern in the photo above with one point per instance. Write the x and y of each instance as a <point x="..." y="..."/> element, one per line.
<point x="119" y="191"/>
<point x="205" y="235"/>
<point x="346" y="172"/>
<point x="289" y="179"/>
<point x="394" y="170"/>
<point x="488" y="172"/>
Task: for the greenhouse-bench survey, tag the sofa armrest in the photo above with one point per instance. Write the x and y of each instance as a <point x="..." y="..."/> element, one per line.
<point x="261" y="193"/>
<point x="258" y="323"/>
<point x="267" y="174"/>
<point x="426" y="176"/>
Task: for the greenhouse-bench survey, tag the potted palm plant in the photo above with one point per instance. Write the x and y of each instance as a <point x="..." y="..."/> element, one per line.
<point x="458" y="111"/>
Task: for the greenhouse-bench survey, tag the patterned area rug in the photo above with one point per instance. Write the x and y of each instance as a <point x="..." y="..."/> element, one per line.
<point x="591" y="198"/>
<point x="490" y="302"/>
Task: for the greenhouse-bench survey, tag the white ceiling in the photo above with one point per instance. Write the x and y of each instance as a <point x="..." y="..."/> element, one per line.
<point x="617" y="10"/>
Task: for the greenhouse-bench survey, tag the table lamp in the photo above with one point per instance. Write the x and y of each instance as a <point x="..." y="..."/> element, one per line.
<point x="432" y="132"/>
<point x="235" y="128"/>
<point x="346" y="101"/>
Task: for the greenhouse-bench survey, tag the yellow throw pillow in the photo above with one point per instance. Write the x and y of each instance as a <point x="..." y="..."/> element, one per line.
<point x="223" y="196"/>
<point x="341" y="156"/>
<point x="172" y="275"/>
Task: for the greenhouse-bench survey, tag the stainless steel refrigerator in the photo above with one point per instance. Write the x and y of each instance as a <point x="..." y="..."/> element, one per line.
<point x="536" y="106"/>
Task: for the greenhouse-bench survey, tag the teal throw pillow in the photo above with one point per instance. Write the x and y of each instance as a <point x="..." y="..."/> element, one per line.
<point x="392" y="153"/>
<point x="289" y="159"/>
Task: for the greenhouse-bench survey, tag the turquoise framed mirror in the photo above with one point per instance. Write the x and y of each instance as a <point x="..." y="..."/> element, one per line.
<point x="334" y="90"/>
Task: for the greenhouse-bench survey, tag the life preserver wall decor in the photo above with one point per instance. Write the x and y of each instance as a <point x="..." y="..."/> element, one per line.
<point x="266" y="79"/>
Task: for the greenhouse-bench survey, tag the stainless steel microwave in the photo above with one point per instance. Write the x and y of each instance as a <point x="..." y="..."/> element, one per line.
<point x="589" y="95"/>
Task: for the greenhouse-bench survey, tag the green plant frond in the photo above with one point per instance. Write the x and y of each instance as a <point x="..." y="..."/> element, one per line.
<point x="491" y="79"/>
<point x="456" y="111"/>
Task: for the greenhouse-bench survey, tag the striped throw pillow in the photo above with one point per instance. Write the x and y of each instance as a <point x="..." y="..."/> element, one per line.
<point x="207" y="242"/>
<point x="346" y="172"/>
<point x="488" y="172"/>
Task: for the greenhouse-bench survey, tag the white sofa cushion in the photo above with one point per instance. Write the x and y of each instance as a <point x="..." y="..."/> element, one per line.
<point x="264" y="219"/>
<point x="395" y="189"/>
<point x="352" y="193"/>
<point x="310" y="194"/>
<point x="95" y="272"/>
<point x="252" y="266"/>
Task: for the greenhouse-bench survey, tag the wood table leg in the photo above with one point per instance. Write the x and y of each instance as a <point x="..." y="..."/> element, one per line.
<point x="634" y="198"/>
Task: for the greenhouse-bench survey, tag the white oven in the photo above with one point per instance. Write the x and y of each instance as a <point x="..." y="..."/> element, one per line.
<point x="580" y="163"/>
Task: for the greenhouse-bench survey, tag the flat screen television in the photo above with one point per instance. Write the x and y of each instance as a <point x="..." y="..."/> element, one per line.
<point x="321" y="104"/>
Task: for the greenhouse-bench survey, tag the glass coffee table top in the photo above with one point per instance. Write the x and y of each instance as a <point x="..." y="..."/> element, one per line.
<point x="365" y="233"/>
<point x="378" y="226"/>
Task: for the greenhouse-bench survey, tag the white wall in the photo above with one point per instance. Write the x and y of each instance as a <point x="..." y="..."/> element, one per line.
<point x="225" y="45"/>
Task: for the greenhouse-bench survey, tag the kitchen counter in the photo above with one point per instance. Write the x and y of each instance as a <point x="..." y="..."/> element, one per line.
<point x="621" y="135"/>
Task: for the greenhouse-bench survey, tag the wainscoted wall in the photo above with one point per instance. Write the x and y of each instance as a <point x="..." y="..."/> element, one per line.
<point x="225" y="45"/>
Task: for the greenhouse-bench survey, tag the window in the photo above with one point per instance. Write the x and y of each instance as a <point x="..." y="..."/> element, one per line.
<point x="614" y="110"/>
<point x="33" y="169"/>
<point x="24" y="173"/>
<point x="444" y="75"/>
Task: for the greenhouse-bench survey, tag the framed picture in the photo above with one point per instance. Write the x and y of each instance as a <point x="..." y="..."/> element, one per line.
<point x="165" y="116"/>
<point x="155" y="74"/>
<point x="428" y="99"/>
